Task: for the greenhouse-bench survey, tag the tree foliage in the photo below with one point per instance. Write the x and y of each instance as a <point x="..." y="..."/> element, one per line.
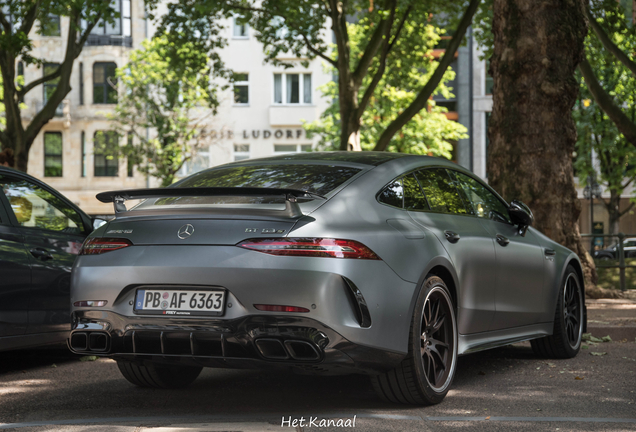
<point x="17" y="20"/>
<point x="298" y="28"/>
<point x="166" y="105"/>
<point x="429" y="131"/>
<point x="613" y="31"/>
<point x="597" y="133"/>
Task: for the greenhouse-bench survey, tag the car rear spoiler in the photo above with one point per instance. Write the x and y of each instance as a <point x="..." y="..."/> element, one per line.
<point x="292" y="209"/>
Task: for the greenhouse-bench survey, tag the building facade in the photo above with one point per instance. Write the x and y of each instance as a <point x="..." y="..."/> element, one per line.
<point x="261" y="115"/>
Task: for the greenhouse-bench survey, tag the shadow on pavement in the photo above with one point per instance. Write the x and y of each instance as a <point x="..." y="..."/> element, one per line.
<point x="33" y="358"/>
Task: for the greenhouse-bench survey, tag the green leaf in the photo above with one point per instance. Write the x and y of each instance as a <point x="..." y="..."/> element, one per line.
<point x="88" y="358"/>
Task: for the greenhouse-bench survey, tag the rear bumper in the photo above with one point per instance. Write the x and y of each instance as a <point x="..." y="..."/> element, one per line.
<point x="362" y="300"/>
<point x="254" y="342"/>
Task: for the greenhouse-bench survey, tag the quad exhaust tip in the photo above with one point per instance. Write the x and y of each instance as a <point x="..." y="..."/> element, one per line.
<point x="92" y="341"/>
<point x="274" y="349"/>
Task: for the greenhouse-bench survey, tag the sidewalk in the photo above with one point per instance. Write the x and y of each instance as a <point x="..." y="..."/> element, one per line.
<point x="614" y="318"/>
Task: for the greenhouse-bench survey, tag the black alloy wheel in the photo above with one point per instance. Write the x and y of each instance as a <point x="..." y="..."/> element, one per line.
<point x="436" y="338"/>
<point x="426" y="373"/>
<point x="572" y="308"/>
<point x="565" y="341"/>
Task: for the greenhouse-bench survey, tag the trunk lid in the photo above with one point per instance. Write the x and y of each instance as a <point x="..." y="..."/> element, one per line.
<point x="195" y="231"/>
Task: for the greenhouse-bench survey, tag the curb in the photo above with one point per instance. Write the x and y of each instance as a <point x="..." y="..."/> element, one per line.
<point x="615" y="332"/>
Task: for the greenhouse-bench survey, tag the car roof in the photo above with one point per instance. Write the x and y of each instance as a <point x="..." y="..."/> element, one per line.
<point x="20" y="174"/>
<point x="371" y="158"/>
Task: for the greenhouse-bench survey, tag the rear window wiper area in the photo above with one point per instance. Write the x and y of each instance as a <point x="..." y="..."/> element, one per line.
<point x="172" y="196"/>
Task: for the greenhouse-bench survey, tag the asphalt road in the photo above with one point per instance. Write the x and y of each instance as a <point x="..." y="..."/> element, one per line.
<point x="505" y="389"/>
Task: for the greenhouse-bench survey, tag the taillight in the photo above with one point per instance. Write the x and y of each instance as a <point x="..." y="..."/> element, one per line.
<point x="314" y="247"/>
<point x="279" y="308"/>
<point x="96" y="246"/>
<point x="90" y="303"/>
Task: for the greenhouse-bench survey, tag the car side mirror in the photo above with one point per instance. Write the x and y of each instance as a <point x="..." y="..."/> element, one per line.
<point x="520" y="215"/>
<point x="97" y="222"/>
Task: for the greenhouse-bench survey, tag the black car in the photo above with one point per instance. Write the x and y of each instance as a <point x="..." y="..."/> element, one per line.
<point x="611" y="253"/>
<point x="41" y="233"/>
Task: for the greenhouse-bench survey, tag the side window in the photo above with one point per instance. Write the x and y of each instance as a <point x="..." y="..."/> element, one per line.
<point x="484" y="203"/>
<point x="393" y="194"/>
<point x="414" y="198"/>
<point x="38" y="208"/>
<point x="440" y="192"/>
<point x="104" y="83"/>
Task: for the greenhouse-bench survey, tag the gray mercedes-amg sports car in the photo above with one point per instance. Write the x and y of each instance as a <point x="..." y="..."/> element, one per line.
<point x="385" y="264"/>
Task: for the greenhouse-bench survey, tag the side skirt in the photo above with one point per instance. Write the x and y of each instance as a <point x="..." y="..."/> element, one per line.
<point x="487" y="340"/>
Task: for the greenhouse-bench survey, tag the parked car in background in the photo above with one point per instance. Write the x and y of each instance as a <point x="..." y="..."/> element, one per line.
<point x="41" y="233"/>
<point x="385" y="264"/>
<point x="611" y="253"/>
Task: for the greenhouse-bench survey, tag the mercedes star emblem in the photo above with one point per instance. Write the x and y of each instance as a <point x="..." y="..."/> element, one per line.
<point x="185" y="231"/>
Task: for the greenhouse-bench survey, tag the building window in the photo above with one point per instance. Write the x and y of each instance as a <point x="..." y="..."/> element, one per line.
<point x="51" y="27"/>
<point x="20" y="77"/>
<point x="50" y="86"/>
<point x="241" y="89"/>
<point x="118" y="33"/>
<point x="241" y="152"/>
<point x="291" y="148"/>
<point x="81" y="83"/>
<point x="199" y="161"/>
<point x="487" y="140"/>
<point x="240" y="30"/>
<point x="104" y="83"/>
<point x="490" y="82"/>
<point x="129" y="161"/>
<point x="52" y="154"/>
<point x="451" y="103"/>
<point x="83" y="161"/>
<point x="292" y="88"/>
<point x="104" y="149"/>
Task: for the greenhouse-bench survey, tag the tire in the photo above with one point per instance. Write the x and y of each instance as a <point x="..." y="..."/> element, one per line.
<point x="426" y="373"/>
<point x="153" y="375"/>
<point x="605" y="258"/>
<point x="565" y="341"/>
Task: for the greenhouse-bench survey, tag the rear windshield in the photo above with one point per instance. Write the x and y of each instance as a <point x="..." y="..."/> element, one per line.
<point x="318" y="179"/>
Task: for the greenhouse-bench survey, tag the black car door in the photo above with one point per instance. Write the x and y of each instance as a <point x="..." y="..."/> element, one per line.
<point x="53" y="233"/>
<point x="15" y="283"/>
<point x="519" y="296"/>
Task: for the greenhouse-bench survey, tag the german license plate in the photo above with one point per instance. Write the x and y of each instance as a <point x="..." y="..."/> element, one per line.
<point x="174" y="302"/>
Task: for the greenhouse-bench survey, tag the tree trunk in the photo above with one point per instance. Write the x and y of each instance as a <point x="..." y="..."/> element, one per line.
<point x="538" y="46"/>
<point x="349" y="119"/>
<point x="614" y="211"/>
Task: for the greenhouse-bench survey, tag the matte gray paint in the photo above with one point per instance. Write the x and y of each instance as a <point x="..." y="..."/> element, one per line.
<point x="410" y="244"/>
<point x="255" y="278"/>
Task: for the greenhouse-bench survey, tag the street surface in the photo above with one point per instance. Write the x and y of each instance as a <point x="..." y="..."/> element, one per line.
<point x="504" y="389"/>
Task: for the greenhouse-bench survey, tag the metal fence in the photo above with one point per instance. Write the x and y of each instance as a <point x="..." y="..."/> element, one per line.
<point x="621" y="254"/>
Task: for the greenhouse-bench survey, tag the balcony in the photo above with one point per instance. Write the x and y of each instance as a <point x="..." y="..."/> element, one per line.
<point x="291" y="115"/>
<point x="112" y="40"/>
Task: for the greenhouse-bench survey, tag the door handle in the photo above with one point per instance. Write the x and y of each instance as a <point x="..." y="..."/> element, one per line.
<point x="502" y="240"/>
<point x="451" y="236"/>
<point x="41" y="254"/>
<point x="549" y="252"/>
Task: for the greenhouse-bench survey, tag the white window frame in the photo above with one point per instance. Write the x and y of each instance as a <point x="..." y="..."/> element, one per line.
<point x="242" y="83"/>
<point x="298" y="148"/>
<point x="235" y="25"/>
<point x="301" y="88"/>
<point x="203" y="153"/>
<point x="242" y="154"/>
